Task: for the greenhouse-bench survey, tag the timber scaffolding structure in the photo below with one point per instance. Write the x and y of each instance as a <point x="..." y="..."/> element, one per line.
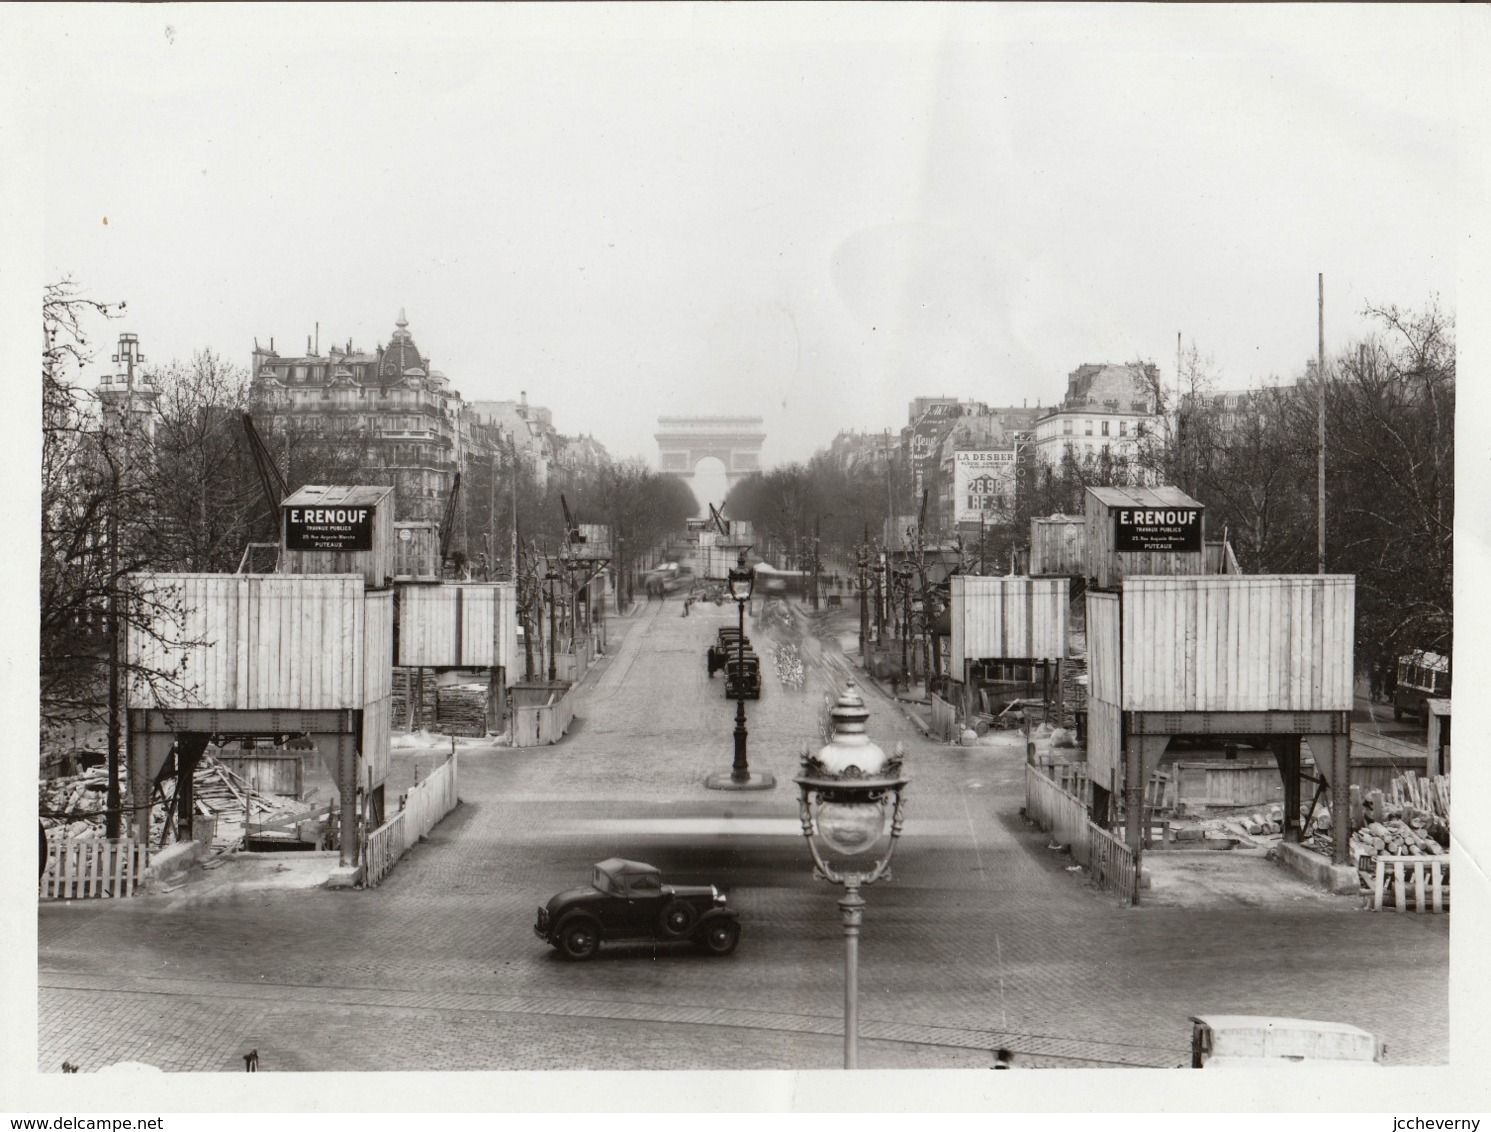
<point x="301" y="656"/>
<point x="1175" y="649"/>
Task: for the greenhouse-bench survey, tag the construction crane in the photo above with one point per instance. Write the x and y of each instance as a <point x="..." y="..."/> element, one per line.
<point x="721" y="524"/>
<point x="274" y="487"/>
<point x="572" y="535"/>
<point x="448" y="526"/>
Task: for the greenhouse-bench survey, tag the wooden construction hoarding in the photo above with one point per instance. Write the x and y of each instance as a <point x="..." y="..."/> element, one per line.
<point x="1142" y="530"/>
<point x="458" y="625"/>
<point x="1104" y="690"/>
<point x="597" y="544"/>
<point x="374" y="742"/>
<point x="1248" y="643"/>
<point x="1104" y="659"/>
<point x="1058" y="545"/>
<point x="252" y="642"/>
<point x="1006" y="618"/>
<point x="417" y="549"/>
<point x="339" y="530"/>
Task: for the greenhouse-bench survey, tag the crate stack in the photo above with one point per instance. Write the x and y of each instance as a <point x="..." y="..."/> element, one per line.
<point x="462" y="710"/>
<point x="403" y="698"/>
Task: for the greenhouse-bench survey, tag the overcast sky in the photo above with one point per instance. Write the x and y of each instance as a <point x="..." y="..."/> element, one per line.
<point x="813" y="214"/>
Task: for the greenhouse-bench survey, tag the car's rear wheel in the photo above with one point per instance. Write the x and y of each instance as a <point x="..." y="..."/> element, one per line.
<point x="678" y="919"/>
<point x="579" y="938"/>
<point x="719" y="937"/>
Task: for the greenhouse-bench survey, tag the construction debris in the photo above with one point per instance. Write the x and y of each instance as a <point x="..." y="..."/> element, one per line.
<point x="74" y="808"/>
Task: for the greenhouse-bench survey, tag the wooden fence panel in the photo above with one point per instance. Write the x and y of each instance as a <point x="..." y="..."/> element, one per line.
<point x="1110" y="862"/>
<point x="944" y="719"/>
<point x="93" y="868"/>
<point x="384" y="847"/>
<point x="423" y="808"/>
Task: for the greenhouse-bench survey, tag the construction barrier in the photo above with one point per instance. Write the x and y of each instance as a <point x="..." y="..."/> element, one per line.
<point x="93" y="867"/>
<point x="944" y="719"/>
<point x="1433" y="872"/>
<point x="421" y="810"/>
<point x="1064" y="815"/>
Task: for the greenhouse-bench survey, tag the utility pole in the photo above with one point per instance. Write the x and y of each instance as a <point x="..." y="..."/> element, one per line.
<point x="492" y="519"/>
<point x="129" y="354"/>
<point x="512" y="443"/>
<point x="1320" y="421"/>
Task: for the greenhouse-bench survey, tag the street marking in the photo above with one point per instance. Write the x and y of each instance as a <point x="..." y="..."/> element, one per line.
<point x="750" y="827"/>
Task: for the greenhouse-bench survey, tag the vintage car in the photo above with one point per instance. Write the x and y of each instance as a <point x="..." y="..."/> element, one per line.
<point x="725" y="649"/>
<point x="743" y="677"/>
<point x="627" y="900"/>
<point x="1422" y="676"/>
<point x="1256" y="1041"/>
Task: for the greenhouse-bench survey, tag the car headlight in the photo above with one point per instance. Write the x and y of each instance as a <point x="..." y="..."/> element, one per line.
<point x="719" y="897"/>
<point x="543" y="917"/>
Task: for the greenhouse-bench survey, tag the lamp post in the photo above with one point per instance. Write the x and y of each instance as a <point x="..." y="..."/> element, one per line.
<point x="740" y="582"/>
<point x="552" y="576"/>
<point x="863" y="562"/>
<point x="851" y="800"/>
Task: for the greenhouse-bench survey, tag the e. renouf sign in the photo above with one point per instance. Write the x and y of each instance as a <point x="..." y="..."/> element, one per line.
<point x="1157" y="529"/>
<point x="328" y="528"/>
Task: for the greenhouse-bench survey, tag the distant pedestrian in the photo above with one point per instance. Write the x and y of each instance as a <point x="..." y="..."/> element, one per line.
<point x="1003" y="1059"/>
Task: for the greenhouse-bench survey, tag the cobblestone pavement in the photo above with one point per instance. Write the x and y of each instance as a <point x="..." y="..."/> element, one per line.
<point x="982" y="939"/>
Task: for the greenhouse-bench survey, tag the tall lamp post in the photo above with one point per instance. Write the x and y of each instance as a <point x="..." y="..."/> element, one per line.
<point x="740" y="582"/>
<point x="551" y="577"/>
<point x="851" y="800"/>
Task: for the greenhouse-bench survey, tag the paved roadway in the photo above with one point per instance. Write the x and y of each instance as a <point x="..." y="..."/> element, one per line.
<point x="981" y="940"/>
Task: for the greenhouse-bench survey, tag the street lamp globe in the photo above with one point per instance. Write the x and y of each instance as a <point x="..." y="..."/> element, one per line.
<point x="851" y="800"/>
<point x="740" y="582"/>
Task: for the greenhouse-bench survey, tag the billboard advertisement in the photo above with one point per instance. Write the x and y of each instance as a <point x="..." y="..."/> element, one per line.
<point x="927" y="436"/>
<point x="328" y="528"/>
<point x="983" y="485"/>
<point x="1157" y="530"/>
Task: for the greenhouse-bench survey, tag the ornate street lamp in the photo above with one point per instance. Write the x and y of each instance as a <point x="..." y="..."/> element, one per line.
<point x="552" y="576"/>
<point x="852" y="794"/>
<point x="740" y="582"/>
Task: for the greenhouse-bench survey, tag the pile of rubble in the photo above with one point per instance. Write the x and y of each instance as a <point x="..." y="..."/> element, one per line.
<point x="73" y="808"/>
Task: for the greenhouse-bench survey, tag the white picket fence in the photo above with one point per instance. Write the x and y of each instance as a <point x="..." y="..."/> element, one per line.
<point x="422" y="808"/>
<point x="1108" y="859"/>
<point x="92" y="868"/>
<point x="944" y="719"/>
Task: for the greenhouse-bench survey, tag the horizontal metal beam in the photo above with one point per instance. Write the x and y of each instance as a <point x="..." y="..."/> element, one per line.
<point x="259" y="721"/>
<point x="1221" y="723"/>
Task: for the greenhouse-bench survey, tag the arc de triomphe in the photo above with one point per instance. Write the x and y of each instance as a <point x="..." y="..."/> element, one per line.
<point x="734" y="441"/>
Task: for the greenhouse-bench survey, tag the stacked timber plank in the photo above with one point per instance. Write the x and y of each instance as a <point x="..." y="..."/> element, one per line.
<point x="72" y="808"/>
<point x="404" y="683"/>
<point x="1073" y="690"/>
<point x="462" y="710"/>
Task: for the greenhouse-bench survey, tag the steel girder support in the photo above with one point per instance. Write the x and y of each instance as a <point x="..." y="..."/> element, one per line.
<point x="1328" y="734"/>
<point x="153" y="734"/>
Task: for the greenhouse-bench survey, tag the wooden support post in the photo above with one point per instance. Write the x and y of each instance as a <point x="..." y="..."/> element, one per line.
<point x="346" y="762"/>
<point x="1141" y="758"/>
<point x="189" y="748"/>
<point x="1286" y="752"/>
<point x="1340" y="788"/>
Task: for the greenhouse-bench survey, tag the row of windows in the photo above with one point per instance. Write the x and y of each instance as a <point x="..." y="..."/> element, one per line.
<point x="1106" y="428"/>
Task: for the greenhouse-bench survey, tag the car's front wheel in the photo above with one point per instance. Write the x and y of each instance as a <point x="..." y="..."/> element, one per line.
<point x="678" y="919"/>
<point x="579" y="938"/>
<point x="719" y="937"/>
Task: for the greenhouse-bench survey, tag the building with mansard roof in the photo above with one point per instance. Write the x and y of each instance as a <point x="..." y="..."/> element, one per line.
<point x="406" y="423"/>
<point x="1108" y="410"/>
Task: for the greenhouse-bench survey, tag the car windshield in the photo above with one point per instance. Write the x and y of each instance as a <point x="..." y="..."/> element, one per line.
<point x="645" y="884"/>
